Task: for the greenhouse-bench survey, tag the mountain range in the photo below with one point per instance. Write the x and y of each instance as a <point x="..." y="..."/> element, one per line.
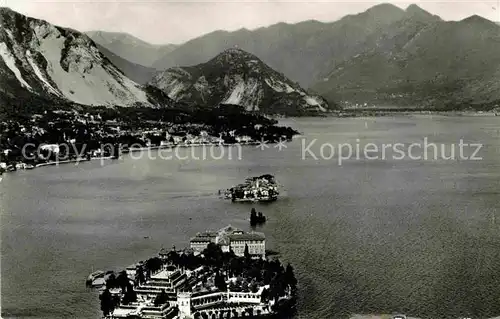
<point x="422" y="61"/>
<point x="385" y="55"/>
<point x="43" y="63"/>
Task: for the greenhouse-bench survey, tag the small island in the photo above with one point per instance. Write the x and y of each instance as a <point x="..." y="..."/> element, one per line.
<point x="262" y="188"/>
<point x="256" y="219"/>
<point x="223" y="274"/>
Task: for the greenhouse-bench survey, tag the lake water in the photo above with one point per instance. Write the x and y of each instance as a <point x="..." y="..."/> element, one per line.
<point x="420" y="237"/>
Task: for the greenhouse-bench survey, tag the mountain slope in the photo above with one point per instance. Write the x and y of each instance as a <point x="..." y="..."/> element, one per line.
<point x="41" y="59"/>
<point x="136" y="72"/>
<point x="300" y="51"/>
<point x="239" y="78"/>
<point x="130" y="48"/>
<point x="439" y="63"/>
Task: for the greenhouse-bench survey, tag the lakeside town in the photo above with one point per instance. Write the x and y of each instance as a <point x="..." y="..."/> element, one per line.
<point x="222" y="274"/>
<point x="66" y="136"/>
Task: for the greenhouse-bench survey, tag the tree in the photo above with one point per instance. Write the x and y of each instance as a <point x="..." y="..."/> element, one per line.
<point x="111" y="282"/>
<point x="154" y="264"/>
<point x="264" y="297"/>
<point x="161" y="299"/>
<point x="173" y="257"/>
<point x="213" y="254"/>
<point x="122" y="280"/>
<point x="107" y="304"/>
<point x="250" y="311"/>
<point x="130" y="295"/>
<point x="139" y="275"/>
<point x="254" y="288"/>
<point x="261" y="218"/>
<point x="246" y="253"/>
<point x="219" y="282"/>
<point x="253" y="217"/>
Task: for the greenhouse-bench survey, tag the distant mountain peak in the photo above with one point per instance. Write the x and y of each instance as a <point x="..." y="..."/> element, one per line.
<point x="375" y="17"/>
<point x="130" y="47"/>
<point x="415" y="9"/>
<point x="384" y="7"/>
<point x="7" y="10"/>
<point x="476" y="19"/>
<point x="233" y="54"/>
<point x="234" y="50"/>
<point x="237" y="77"/>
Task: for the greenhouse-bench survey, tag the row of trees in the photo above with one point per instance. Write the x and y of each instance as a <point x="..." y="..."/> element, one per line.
<point x="256" y="219"/>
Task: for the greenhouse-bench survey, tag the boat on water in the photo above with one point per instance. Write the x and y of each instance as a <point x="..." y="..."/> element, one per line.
<point x="95" y="275"/>
<point x="262" y="188"/>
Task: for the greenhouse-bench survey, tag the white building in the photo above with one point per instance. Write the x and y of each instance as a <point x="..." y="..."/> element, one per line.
<point x="54" y="148"/>
<point x="230" y="238"/>
<point x="191" y="303"/>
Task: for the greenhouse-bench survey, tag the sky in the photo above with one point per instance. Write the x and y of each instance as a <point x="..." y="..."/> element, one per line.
<point x="168" y="21"/>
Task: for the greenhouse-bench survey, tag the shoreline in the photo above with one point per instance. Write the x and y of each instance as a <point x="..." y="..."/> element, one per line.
<point x="148" y="148"/>
<point x="348" y="113"/>
<point x="127" y="151"/>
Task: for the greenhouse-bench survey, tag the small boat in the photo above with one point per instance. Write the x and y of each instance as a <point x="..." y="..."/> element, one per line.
<point x="98" y="283"/>
<point x="93" y="276"/>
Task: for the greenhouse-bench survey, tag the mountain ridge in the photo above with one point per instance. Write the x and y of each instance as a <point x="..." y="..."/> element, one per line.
<point x="237" y="77"/>
<point x="56" y="63"/>
<point x="449" y="64"/>
<point x="129" y="47"/>
<point x="312" y="44"/>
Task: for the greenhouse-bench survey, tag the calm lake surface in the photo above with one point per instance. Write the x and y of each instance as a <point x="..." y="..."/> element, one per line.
<point x="420" y="237"/>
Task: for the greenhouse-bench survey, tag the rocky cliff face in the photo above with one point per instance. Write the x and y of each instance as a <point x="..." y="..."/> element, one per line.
<point x="39" y="58"/>
<point x="240" y="78"/>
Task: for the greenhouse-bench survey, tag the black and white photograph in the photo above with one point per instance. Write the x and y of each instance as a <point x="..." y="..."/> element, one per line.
<point x="260" y="159"/>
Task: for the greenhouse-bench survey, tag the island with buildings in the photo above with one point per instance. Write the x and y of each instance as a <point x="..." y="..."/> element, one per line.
<point x="222" y="274"/>
<point x="262" y="188"/>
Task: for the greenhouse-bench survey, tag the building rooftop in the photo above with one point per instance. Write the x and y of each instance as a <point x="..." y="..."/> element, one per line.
<point x="247" y="237"/>
<point x="226" y="234"/>
<point x="200" y="239"/>
<point x="164" y="274"/>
